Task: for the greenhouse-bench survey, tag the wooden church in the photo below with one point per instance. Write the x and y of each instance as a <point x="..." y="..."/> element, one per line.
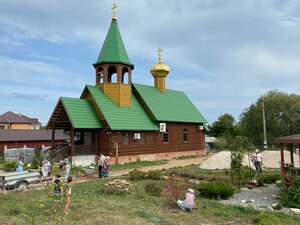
<point x="125" y="119"/>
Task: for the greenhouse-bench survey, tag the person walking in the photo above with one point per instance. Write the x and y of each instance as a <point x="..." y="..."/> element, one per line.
<point x="189" y="202"/>
<point x="257" y="159"/>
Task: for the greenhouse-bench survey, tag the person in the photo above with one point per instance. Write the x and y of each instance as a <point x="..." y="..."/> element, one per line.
<point x="189" y="202"/>
<point x="100" y="164"/>
<point x="20" y="165"/>
<point x="68" y="195"/>
<point x="57" y="188"/>
<point x="46" y="165"/>
<point x="68" y="169"/>
<point x="257" y="159"/>
<point x="105" y="168"/>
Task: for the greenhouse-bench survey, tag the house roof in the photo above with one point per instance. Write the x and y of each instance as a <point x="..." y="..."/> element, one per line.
<point x="122" y="118"/>
<point x="171" y="106"/>
<point x="30" y="135"/>
<point x="10" y="117"/>
<point x="78" y="113"/>
<point x="288" y="139"/>
<point x="81" y="113"/>
<point x="113" y="49"/>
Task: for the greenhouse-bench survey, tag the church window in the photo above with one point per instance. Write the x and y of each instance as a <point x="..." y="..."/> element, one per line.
<point x="166" y="136"/>
<point x="125" y="138"/>
<point x="125" y="76"/>
<point x="185" y="135"/>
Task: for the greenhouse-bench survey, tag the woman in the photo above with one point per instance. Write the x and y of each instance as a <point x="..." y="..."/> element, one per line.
<point x="46" y="168"/>
<point x="20" y="165"/>
<point x="189" y="202"/>
<point x="105" y="167"/>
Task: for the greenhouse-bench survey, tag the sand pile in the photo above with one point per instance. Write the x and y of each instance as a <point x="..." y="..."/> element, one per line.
<point x="271" y="159"/>
<point x="221" y="160"/>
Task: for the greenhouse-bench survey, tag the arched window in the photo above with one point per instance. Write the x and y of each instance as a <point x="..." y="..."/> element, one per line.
<point x="112" y="74"/>
<point x="185" y="135"/>
<point x="100" y="76"/>
<point x="166" y="137"/>
<point x="125" y="76"/>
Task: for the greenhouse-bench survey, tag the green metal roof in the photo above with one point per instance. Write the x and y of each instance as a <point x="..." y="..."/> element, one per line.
<point x="171" y="106"/>
<point x="81" y="113"/>
<point x="113" y="49"/>
<point x="122" y="118"/>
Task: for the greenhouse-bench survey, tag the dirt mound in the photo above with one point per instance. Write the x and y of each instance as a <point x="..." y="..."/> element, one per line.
<point x="271" y="159"/>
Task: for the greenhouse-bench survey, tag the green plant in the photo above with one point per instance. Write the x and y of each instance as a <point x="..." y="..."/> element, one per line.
<point x="137" y="175"/>
<point x="154" y="175"/>
<point x="215" y="190"/>
<point x="10" y="165"/>
<point x="38" y="158"/>
<point x="277" y="207"/>
<point x="270" y="178"/>
<point x="290" y="196"/>
<point x="154" y="189"/>
<point x="238" y="146"/>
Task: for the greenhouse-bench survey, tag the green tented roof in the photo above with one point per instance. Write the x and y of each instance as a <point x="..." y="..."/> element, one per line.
<point x="122" y="118"/>
<point x="113" y="49"/>
<point x="81" y="113"/>
<point x="171" y="106"/>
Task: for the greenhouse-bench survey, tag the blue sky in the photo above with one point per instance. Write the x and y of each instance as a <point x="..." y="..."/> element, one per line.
<point x="222" y="54"/>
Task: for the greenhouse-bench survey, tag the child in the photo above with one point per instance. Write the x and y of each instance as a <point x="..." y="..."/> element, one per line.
<point x="68" y="195"/>
<point x="57" y="188"/>
<point x="68" y="169"/>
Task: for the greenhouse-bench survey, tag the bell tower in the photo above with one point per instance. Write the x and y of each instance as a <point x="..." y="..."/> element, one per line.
<point x="113" y="67"/>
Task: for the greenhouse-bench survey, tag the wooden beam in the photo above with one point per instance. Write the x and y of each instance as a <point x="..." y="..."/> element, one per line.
<point x="72" y="142"/>
<point x="282" y="158"/>
<point x="53" y="135"/>
<point x="291" y="153"/>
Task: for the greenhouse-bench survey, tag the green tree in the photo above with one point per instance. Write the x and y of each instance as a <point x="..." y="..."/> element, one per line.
<point x="282" y="117"/>
<point x="223" y="127"/>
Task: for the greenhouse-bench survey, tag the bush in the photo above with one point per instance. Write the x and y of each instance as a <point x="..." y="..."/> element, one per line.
<point x="154" y="189"/>
<point x="10" y="165"/>
<point x="154" y="175"/>
<point x="216" y="190"/>
<point x="270" y="178"/>
<point x="290" y="196"/>
<point x="137" y="175"/>
<point x="277" y="207"/>
<point x="38" y="158"/>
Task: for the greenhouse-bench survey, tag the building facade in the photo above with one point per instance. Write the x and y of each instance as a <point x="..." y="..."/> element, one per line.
<point x="128" y="120"/>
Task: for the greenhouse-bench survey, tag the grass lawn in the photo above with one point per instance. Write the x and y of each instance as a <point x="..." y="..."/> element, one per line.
<point x="90" y="205"/>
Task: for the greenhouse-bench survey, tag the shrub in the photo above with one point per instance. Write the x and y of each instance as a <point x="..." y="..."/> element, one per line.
<point x="137" y="175"/>
<point x="154" y="189"/>
<point x="290" y="196"/>
<point x="174" y="190"/>
<point x="38" y="158"/>
<point x="10" y="165"/>
<point x="271" y="178"/>
<point x="277" y="207"/>
<point x="216" y="190"/>
<point x="154" y="175"/>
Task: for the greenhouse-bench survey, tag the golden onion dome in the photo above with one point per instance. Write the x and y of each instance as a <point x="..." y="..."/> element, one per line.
<point x="160" y="68"/>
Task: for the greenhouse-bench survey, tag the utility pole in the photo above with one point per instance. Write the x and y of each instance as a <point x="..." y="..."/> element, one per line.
<point x="264" y="123"/>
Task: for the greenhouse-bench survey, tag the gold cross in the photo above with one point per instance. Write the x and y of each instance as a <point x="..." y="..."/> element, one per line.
<point x="114" y="11"/>
<point x="159" y="50"/>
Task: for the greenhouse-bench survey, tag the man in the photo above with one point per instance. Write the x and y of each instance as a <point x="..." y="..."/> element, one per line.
<point x="257" y="158"/>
